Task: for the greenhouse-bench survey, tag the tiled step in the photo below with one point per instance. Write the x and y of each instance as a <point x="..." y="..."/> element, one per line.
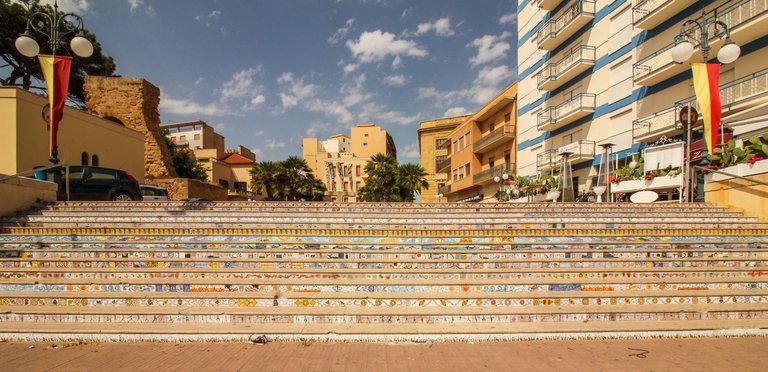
<point x="389" y="331"/>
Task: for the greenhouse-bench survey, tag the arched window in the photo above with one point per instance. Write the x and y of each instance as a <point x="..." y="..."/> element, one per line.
<point x="95" y="160"/>
<point x="84" y="158"/>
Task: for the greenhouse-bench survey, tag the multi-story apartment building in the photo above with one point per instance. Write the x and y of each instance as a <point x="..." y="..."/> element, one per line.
<point x="340" y="161"/>
<point x="228" y="168"/>
<point x="480" y="148"/>
<point x="600" y="71"/>
<point x="433" y="134"/>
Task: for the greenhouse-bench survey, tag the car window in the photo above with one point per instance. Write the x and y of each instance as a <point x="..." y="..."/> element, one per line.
<point x="145" y="191"/>
<point x="103" y="174"/>
<point x="75" y="174"/>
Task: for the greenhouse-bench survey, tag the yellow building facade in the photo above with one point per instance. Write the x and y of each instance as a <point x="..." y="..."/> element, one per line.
<point x="479" y="149"/>
<point x="433" y="134"/>
<point x="83" y="139"/>
<point x="228" y="168"/>
<point x="340" y="161"/>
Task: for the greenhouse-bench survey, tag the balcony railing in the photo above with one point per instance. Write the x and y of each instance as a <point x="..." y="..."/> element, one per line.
<point x="556" y="30"/>
<point x="547" y="160"/>
<point x="652" y="127"/>
<point x="443" y="165"/>
<point x="498" y="136"/>
<point x="581" y="150"/>
<point x="743" y="18"/>
<point x="735" y="96"/>
<point x="487" y="175"/>
<point x="445" y="190"/>
<point x="575" y="62"/>
<point x="548" y="4"/>
<point x="648" y="14"/>
<point x="572" y="109"/>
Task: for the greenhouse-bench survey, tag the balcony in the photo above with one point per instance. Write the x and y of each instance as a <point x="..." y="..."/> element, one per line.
<point x="574" y="108"/>
<point x="575" y="62"/>
<point x="548" y="4"/>
<point x="548" y="160"/>
<point x="443" y="166"/>
<point x="648" y="14"/>
<point x="445" y="190"/>
<point x="581" y="151"/>
<point x="743" y="17"/>
<point x="486" y="177"/>
<point x="498" y="136"/>
<point x="735" y="96"/>
<point x="565" y="23"/>
<point x="652" y="127"/>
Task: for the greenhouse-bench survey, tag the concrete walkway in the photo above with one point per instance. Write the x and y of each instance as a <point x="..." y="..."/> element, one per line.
<point x="703" y="354"/>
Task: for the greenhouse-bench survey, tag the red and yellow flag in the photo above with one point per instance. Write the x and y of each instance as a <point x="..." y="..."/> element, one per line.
<point x="706" y="84"/>
<point x="56" y="73"/>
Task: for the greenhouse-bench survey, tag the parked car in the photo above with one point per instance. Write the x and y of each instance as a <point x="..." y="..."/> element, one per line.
<point x="96" y="183"/>
<point x="154" y="193"/>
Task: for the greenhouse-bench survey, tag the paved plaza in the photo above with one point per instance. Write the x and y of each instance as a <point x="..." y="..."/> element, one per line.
<point x="699" y="354"/>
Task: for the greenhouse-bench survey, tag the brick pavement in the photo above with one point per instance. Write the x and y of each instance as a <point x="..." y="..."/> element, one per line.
<point x="701" y="354"/>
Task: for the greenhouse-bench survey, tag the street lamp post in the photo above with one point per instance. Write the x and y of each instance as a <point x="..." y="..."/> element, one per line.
<point x="683" y="51"/>
<point x="501" y="181"/>
<point x="55" y="28"/>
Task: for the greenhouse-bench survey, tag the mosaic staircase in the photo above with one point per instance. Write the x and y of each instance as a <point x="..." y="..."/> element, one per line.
<point x="227" y="270"/>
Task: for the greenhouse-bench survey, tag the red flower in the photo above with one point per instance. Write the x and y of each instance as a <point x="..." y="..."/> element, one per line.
<point x="754" y="159"/>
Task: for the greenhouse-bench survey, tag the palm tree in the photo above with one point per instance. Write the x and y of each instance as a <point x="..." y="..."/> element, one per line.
<point x="380" y="183"/>
<point x="312" y="188"/>
<point x="296" y="170"/>
<point x="266" y="176"/>
<point x="411" y="179"/>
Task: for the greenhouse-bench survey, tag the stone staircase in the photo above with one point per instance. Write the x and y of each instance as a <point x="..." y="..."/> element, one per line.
<point x="228" y="270"/>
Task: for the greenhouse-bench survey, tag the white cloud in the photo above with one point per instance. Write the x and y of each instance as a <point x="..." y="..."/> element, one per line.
<point x="397" y="63"/>
<point x="199" y="81"/>
<point x="331" y="108"/>
<point x="188" y="107"/>
<point x="294" y="90"/>
<point x="376" y="113"/>
<point x="373" y="46"/>
<point x="258" y="152"/>
<point x="489" y="81"/>
<point x="510" y="18"/>
<point x="242" y="86"/>
<point x="410" y="151"/>
<point x="206" y="19"/>
<point x="341" y="33"/>
<point x="349" y="68"/>
<point x="316" y="127"/>
<point x="136" y="6"/>
<point x="489" y="48"/>
<point x="73" y="6"/>
<point x="456" y="111"/>
<point x="442" y="27"/>
<point x="396" y="80"/>
<point x="406" y="12"/>
<point x="273" y="144"/>
<point x="354" y="92"/>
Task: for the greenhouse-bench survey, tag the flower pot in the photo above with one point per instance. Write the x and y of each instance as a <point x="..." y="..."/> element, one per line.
<point x="665" y="182"/>
<point x="628" y="186"/>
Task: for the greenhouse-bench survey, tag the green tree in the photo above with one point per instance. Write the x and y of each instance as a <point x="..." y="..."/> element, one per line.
<point x="411" y="179"/>
<point x="295" y="170"/>
<point x="312" y="188"/>
<point x="380" y="182"/>
<point x="21" y="71"/>
<point x="184" y="161"/>
<point x="266" y="176"/>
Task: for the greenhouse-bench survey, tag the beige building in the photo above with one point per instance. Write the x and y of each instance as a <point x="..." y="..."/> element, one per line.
<point x="594" y="72"/>
<point x="83" y="139"/>
<point x="340" y="161"/>
<point x="479" y="149"/>
<point x="433" y="134"/>
<point x="228" y="168"/>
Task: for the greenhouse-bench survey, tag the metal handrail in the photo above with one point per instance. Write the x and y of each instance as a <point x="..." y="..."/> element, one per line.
<point x="728" y="174"/>
<point x="582" y="53"/>
<point x="493" y="136"/>
<point x="564" y="18"/>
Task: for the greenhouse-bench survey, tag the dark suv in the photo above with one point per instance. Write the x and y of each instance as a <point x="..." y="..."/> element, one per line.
<point x="96" y="183"/>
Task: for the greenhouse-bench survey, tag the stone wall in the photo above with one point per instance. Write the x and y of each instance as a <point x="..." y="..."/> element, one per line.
<point x="26" y="193"/>
<point x="184" y="188"/>
<point x="134" y="103"/>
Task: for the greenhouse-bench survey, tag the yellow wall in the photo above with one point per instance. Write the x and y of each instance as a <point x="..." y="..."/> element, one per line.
<point x="749" y="197"/>
<point x="368" y="140"/>
<point x="20" y="119"/>
<point x="429" y="132"/>
<point x="26" y="192"/>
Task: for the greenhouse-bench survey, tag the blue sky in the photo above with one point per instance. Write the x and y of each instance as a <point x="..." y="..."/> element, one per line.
<point x="267" y="73"/>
